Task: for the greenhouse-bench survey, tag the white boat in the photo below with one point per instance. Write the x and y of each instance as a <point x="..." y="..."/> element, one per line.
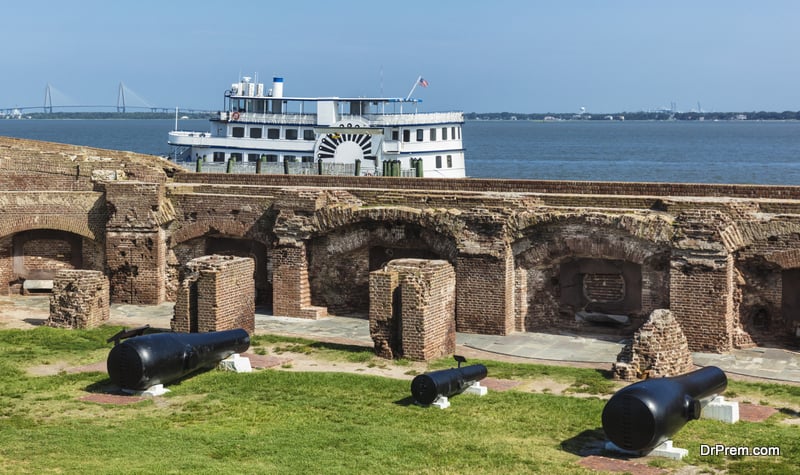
<point x="354" y="135"/>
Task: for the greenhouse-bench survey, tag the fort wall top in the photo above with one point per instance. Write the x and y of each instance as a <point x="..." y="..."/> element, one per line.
<point x="775" y="192"/>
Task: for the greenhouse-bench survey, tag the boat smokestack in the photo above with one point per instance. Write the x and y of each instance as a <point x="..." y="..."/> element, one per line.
<point x="277" y="87"/>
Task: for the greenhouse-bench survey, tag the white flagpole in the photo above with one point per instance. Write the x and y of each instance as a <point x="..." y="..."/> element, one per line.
<point x="413" y="88"/>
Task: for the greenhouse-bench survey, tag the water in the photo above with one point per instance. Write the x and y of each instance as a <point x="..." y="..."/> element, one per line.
<point x="683" y="152"/>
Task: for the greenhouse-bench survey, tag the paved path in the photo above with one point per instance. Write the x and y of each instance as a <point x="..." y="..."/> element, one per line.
<point x="768" y="363"/>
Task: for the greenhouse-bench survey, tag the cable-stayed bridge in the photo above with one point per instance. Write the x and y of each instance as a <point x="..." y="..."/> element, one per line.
<point x="127" y="101"/>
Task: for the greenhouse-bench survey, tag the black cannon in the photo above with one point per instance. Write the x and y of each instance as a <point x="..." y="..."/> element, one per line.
<point x="147" y="360"/>
<point x="425" y="388"/>
<point x="643" y="415"/>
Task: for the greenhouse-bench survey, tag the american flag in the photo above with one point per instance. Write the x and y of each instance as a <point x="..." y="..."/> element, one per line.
<point x="423" y="82"/>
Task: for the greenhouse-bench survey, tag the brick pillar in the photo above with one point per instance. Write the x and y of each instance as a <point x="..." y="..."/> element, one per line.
<point x="418" y="322"/>
<point x="135" y="242"/>
<point x="79" y="299"/>
<point x="383" y="285"/>
<point x="291" y="292"/>
<point x="216" y="293"/>
<point x="6" y="265"/>
<point x="701" y="298"/>
<point x="485" y="294"/>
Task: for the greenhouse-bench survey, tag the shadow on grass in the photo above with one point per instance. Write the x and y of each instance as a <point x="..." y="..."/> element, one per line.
<point x="588" y="442"/>
<point x="106" y="386"/>
<point x="406" y="401"/>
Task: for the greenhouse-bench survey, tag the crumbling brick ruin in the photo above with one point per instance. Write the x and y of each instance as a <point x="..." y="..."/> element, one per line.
<point x="658" y="348"/>
<point x="215" y="293"/>
<point x="412" y="309"/>
<point x="527" y="255"/>
<point x="80" y="299"/>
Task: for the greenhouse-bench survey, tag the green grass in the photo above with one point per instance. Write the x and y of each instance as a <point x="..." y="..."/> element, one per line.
<point x="290" y="422"/>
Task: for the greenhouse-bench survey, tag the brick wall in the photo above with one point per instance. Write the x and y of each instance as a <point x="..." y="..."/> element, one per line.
<point x="135" y="241"/>
<point x="291" y="292"/>
<point x="719" y="256"/>
<point x="485" y="297"/>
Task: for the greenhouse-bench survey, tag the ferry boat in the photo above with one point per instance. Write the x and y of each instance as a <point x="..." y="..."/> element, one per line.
<point x="352" y="135"/>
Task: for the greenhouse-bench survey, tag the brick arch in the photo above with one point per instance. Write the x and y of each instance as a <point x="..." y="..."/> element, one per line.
<point x="651" y="227"/>
<point x="37" y="253"/>
<point x="220" y="236"/>
<point x="329" y="219"/>
<point x="555" y="252"/>
<point x="76" y="225"/>
<point x="198" y="229"/>
<point x="349" y="244"/>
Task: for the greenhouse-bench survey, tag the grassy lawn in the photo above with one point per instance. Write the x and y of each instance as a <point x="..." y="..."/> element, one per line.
<point x="273" y="421"/>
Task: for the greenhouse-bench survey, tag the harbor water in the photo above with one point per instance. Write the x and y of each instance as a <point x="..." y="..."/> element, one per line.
<point x="679" y="151"/>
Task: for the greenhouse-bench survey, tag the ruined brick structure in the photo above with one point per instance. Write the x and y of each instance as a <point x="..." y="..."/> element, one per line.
<point x="658" y="349"/>
<point x="527" y="255"/>
<point x="80" y="299"/>
<point x="412" y="309"/>
<point x="215" y="293"/>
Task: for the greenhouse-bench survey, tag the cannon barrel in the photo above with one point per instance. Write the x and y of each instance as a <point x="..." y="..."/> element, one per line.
<point x="643" y="415"/>
<point x="159" y="358"/>
<point x="425" y="388"/>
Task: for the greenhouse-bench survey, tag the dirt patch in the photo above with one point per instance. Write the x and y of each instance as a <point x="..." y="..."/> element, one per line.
<point x="265" y="361"/>
<point x="64" y="367"/>
<point x="116" y="399"/>
<point x="598" y="463"/>
<point x="304" y="362"/>
<point x="753" y="413"/>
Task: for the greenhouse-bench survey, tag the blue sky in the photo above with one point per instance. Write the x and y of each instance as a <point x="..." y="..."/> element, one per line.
<point x="478" y="56"/>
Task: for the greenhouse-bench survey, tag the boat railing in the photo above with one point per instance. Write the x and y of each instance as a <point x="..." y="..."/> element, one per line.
<point x="380" y="120"/>
<point x="273" y="168"/>
<point x="253" y="117"/>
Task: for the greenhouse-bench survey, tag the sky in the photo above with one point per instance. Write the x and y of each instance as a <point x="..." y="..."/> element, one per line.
<point x="523" y="56"/>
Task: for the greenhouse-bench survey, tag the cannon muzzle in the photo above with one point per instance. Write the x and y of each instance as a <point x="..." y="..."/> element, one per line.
<point x="159" y="358"/>
<point x="643" y="415"/>
<point x="425" y="388"/>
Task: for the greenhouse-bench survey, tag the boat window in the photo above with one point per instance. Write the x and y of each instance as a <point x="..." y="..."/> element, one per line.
<point x="449" y="161"/>
<point x="453" y="133"/>
<point x="272" y="158"/>
<point x="238" y="132"/>
<point x="219" y="156"/>
<point x="307" y="159"/>
<point x="420" y="133"/>
<point x="289" y="158"/>
<point x="255" y="132"/>
<point x="273" y="133"/>
<point x="444" y="133"/>
<point x="438" y="161"/>
<point x="252" y="157"/>
<point x="257" y="106"/>
<point x="236" y="157"/>
<point x="308" y="134"/>
<point x="459" y="133"/>
<point x="395" y="134"/>
<point x="433" y="134"/>
<point x="291" y="134"/>
<point x="406" y="135"/>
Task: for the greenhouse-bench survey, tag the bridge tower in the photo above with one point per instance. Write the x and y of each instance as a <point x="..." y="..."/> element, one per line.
<point x="121" y="98"/>
<point x="48" y="101"/>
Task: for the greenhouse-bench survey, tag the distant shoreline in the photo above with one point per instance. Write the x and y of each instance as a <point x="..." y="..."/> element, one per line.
<point x="785" y="116"/>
